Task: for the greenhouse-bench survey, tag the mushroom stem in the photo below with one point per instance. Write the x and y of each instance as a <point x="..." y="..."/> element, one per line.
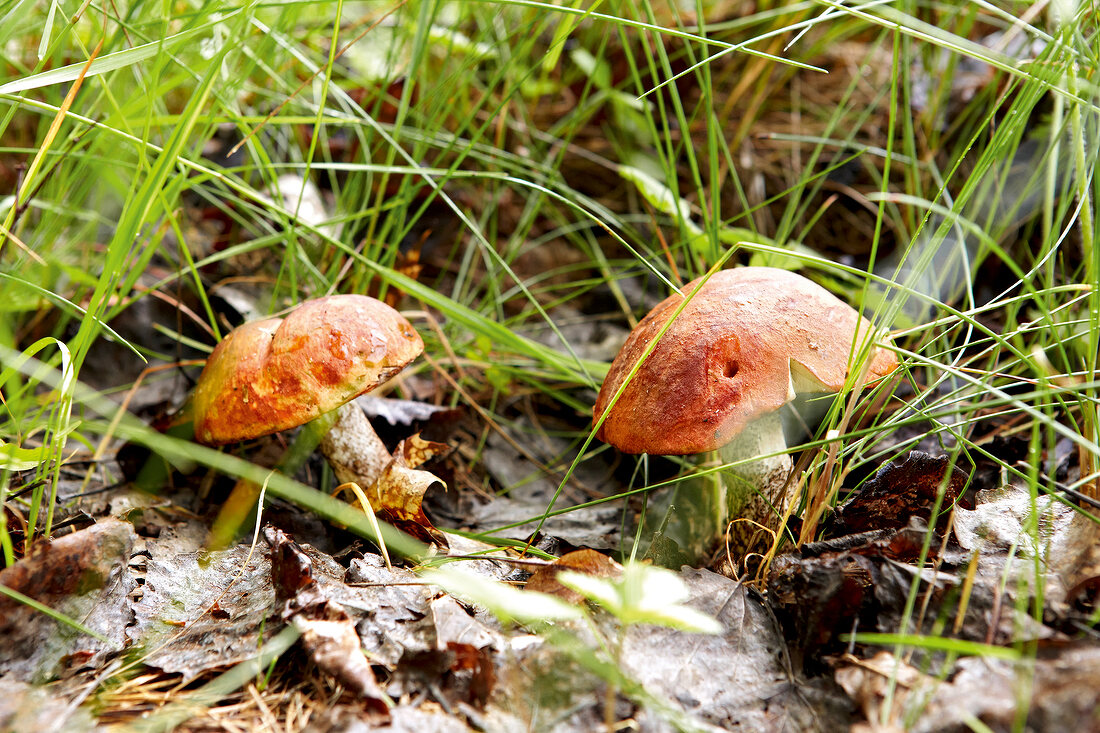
<point x="353" y="449"/>
<point x="347" y="441"/>
<point x="757" y="486"/>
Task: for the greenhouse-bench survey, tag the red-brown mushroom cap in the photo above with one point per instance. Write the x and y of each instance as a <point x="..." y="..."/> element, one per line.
<point x="276" y="374"/>
<point x="727" y="359"/>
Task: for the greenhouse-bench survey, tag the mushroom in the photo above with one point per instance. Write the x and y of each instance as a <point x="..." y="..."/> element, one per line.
<point x="746" y="343"/>
<point x="280" y="373"/>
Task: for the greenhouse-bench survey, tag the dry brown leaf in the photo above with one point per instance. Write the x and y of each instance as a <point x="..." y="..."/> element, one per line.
<point x="414" y="451"/>
<point x="398" y="494"/>
<point x="329" y="637"/>
<point x="588" y="562"/>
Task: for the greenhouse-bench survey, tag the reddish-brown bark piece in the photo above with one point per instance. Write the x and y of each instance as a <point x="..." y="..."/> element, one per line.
<point x="727" y="360"/>
<point x="902" y="489"/>
<point x="275" y="374"/>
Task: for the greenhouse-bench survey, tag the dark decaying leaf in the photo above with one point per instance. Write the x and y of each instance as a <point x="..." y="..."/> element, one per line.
<point x="85" y="576"/>
<point x="866" y="588"/>
<point x="206" y="611"/>
<point x="291" y="568"/>
<point x="472" y="669"/>
<point x="900" y="490"/>
<point x="425" y="644"/>
<point x="668" y="679"/>
<point x="1011" y="544"/>
<point x="589" y="562"/>
<point x="818" y="598"/>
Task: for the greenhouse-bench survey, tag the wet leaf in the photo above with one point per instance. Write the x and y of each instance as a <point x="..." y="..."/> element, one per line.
<point x="175" y="625"/>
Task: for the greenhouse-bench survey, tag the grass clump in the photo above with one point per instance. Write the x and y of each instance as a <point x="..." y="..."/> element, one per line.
<point x="522" y="177"/>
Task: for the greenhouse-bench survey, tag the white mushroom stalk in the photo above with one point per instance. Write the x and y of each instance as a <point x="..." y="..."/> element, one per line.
<point x="759" y="471"/>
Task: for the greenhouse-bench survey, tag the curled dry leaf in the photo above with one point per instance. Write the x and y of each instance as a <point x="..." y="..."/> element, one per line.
<point x="881" y="685"/>
<point x="329" y="637"/>
<point x="587" y="562"/>
<point x="398" y="495"/>
<point x="291" y="569"/>
<point x="414" y="451"/>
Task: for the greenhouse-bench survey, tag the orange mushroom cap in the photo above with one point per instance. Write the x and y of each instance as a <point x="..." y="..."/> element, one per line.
<point x="727" y="360"/>
<point x="279" y="373"/>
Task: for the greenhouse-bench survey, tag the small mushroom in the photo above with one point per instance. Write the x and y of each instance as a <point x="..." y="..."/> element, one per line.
<point x="280" y="373"/>
<point x="746" y="343"/>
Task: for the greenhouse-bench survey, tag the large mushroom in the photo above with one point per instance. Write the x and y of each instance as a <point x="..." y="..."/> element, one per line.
<point x="745" y="344"/>
<point x="280" y="373"/>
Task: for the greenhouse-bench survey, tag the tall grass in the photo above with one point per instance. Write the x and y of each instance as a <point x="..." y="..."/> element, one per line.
<point x="938" y="178"/>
